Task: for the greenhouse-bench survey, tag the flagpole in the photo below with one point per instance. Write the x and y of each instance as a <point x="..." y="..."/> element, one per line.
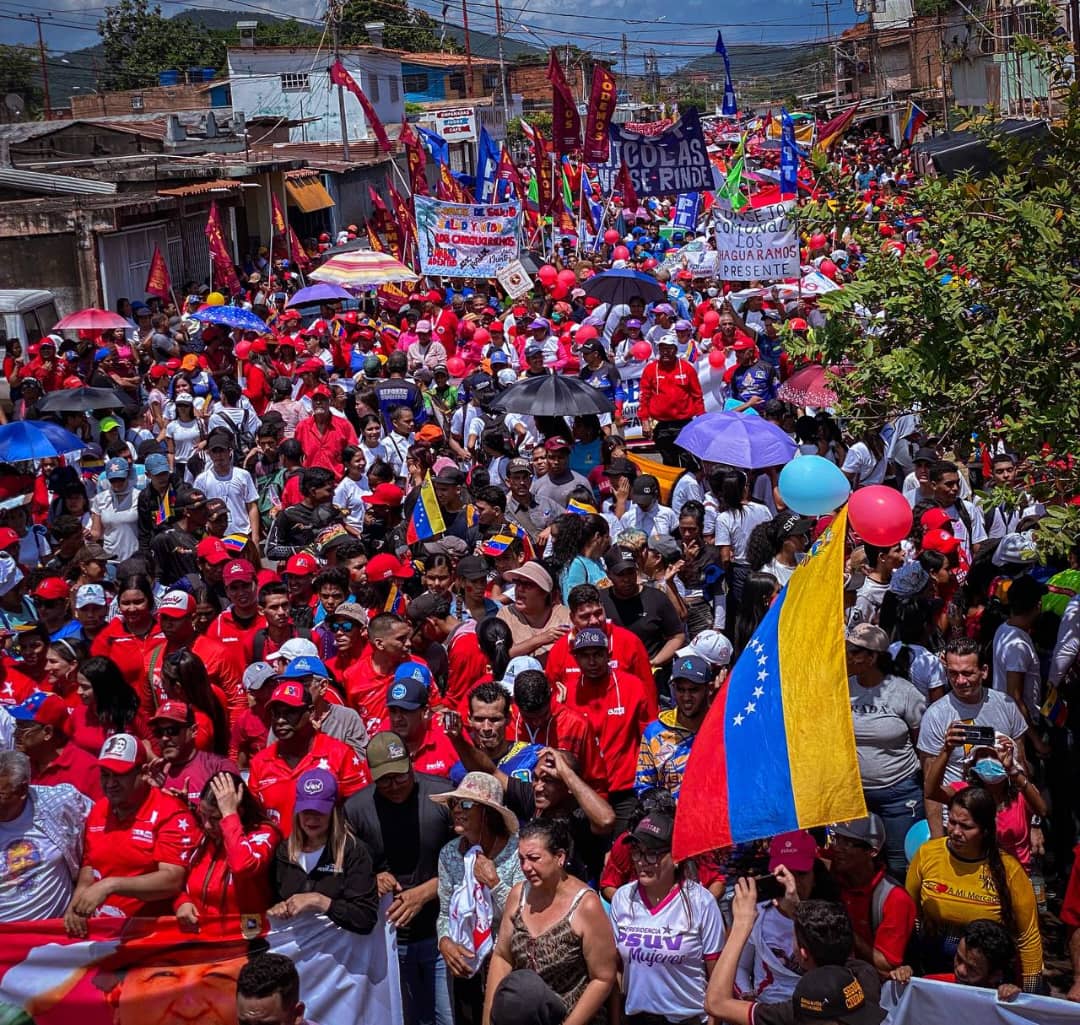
<point x="581" y="204"/>
<point x="334" y="13"/>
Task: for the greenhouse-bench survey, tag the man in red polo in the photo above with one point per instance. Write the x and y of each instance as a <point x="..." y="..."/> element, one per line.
<point x="410" y="716"/>
<point x="239" y="623"/>
<point x="322" y="435"/>
<point x="299" y="747"/>
<point x="41" y="734"/>
<point x="625" y="650"/>
<point x="670" y="398"/>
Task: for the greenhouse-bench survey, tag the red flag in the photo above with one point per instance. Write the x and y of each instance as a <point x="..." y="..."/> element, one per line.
<point x="376" y="243"/>
<point x="339" y="76"/>
<point x="417" y="159"/>
<point x="565" y="121"/>
<point x="406" y="218"/>
<point x="450" y="190"/>
<point x="157" y="279"/>
<point x="602" y="101"/>
<point x="290" y="244"/>
<point x="625" y="185"/>
<point x="385" y="223"/>
<point x="507" y="172"/>
<point x="221" y="262"/>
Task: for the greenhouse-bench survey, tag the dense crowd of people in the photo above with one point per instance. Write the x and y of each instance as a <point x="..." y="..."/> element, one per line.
<point x="235" y="681"/>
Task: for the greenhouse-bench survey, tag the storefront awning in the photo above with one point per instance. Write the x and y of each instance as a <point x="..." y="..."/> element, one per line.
<point x="308" y="194"/>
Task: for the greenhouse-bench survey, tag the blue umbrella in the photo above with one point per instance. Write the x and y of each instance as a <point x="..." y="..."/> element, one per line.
<point x="232" y="316"/>
<point x="36" y="439"/>
<point x="322" y="292"/>
<point x="620" y="286"/>
<point x="749" y="442"/>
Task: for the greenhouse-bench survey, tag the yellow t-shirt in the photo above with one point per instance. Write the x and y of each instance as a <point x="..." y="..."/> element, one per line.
<point x="951" y="893"/>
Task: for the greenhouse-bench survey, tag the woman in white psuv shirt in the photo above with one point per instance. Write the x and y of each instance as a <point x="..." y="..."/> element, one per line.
<point x="668" y="932"/>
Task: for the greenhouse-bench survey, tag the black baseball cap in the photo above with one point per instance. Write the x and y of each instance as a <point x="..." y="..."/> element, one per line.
<point x="789" y="524"/>
<point x="834" y="994"/>
<point x="621" y="468"/>
<point x="645" y="486"/>
<point x="654" y="831"/>
<point x="472" y="567"/>
<point x="619" y="560"/>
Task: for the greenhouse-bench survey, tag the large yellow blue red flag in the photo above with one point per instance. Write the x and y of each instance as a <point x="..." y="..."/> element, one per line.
<point x="427" y="518"/>
<point x="777" y="749"/>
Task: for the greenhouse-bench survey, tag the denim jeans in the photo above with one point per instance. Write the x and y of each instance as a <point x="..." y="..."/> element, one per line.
<point x="900" y="807"/>
<point x="425" y="989"/>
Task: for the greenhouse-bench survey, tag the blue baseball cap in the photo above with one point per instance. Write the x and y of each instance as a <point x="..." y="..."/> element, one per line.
<point x="156" y="463"/>
<point x="693" y="669"/>
<point x="498" y="356"/>
<point x="410" y="686"/>
<point x="117" y="469"/>
<point x="305" y="665"/>
<point x="590" y="637"/>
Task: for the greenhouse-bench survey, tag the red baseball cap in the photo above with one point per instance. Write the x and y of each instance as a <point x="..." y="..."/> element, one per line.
<point x="52" y="589"/>
<point x="311" y="366"/>
<point x="121" y="753"/>
<point x="291" y="694"/>
<point x="177" y="605"/>
<point x="8" y="537"/>
<point x="383" y="567"/>
<point x="175" y="711"/>
<point x="302" y="564"/>
<point x="213" y="550"/>
<point x="238" y="569"/>
<point x="796" y="851"/>
<point x="940" y="541"/>
<point x="742" y="343"/>
<point x="385" y="494"/>
<point x="42" y="707"/>
<point x="322" y="392"/>
<point x="935" y="519"/>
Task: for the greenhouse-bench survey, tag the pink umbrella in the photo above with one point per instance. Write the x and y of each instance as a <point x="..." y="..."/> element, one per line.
<point x="807" y="387"/>
<point x="91" y="319"/>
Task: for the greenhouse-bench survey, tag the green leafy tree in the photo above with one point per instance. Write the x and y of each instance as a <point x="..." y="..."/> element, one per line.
<point x="406" y="28"/>
<point x="538" y="119"/>
<point x="978" y="328"/>
<point x="18" y="71"/>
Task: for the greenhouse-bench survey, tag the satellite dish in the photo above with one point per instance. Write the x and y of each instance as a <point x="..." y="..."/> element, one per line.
<point x="14" y="103"/>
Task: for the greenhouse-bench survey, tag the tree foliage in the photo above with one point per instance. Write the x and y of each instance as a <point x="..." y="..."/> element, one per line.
<point x="978" y="328"/>
<point x="538" y="119"/>
<point x="406" y="28"/>
<point x="18" y="67"/>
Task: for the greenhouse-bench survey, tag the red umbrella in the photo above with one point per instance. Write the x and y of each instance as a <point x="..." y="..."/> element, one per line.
<point x="807" y="387"/>
<point x="91" y="319"/>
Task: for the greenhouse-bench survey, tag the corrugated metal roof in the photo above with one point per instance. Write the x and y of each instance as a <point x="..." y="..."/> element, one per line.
<point x="218" y="185"/>
<point x="450" y="61"/>
<point x="34" y="181"/>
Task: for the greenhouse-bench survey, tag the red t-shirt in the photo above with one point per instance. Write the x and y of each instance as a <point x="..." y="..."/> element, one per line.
<point x="468" y="666"/>
<point x="249" y="735"/>
<point x="129" y="652"/>
<point x="324" y="448"/>
<point x="231" y="633"/>
<point x="436" y="755"/>
<point x="897" y="918"/>
<point x="162" y="831"/>
<point x="273" y="781"/>
<point x="619" y="711"/>
<point x="628" y="654"/>
<point x="75" y="766"/>
<point x="365" y="690"/>
<point x="567" y="730"/>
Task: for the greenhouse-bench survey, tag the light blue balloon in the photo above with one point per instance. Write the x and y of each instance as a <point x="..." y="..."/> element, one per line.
<point x="813" y="486"/>
<point x="730" y="404"/>
<point x="917" y="835"/>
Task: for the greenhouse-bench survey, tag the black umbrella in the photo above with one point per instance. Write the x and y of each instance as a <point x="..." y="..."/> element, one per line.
<point x="81" y="400"/>
<point x="553" y="395"/>
<point x="618" y="287"/>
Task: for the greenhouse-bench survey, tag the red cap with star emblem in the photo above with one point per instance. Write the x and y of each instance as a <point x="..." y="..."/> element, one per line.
<point x="291" y="694"/>
<point x="121" y="753"/>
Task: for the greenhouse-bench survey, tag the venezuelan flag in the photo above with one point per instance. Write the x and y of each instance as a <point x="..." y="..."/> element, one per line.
<point x="777" y="749"/>
<point x="235" y="543"/>
<point x="395" y="601"/>
<point x="426" y="519"/>
<point x="580" y="508"/>
<point x="915" y="119"/>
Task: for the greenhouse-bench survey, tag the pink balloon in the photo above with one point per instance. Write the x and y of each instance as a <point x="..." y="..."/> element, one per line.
<point x="455" y="365"/>
<point x="559" y="291"/>
<point x="242" y="350"/>
<point x="711" y="317"/>
<point x="586" y="333"/>
<point x="618" y="253"/>
<point x="548" y="274"/>
<point x="818" y="241"/>
<point x="611" y="236"/>
<point x="880" y="515"/>
<point x="641" y="350"/>
<point x="716" y="358"/>
<point x="648" y="264"/>
<point x="568" y="278"/>
<point x="481" y="336"/>
<point x="829" y="269"/>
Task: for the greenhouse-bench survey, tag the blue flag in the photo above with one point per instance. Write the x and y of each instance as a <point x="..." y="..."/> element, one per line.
<point x="789" y="156"/>
<point x="487" y="163"/>
<point x="435" y="144"/>
<point x="729" y="107"/>
<point x="686" y="211"/>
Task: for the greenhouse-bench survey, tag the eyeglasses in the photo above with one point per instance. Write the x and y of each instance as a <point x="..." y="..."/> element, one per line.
<point x="168" y="731"/>
<point x="344" y="626"/>
<point x="639" y="853"/>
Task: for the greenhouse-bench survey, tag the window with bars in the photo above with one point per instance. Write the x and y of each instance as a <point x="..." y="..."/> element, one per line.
<point x="373" y="88"/>
<point x="456" y="82"/>
<point x="294" y="82"/>
<point x="395" y="89"/>
<point x="416" y="83"/>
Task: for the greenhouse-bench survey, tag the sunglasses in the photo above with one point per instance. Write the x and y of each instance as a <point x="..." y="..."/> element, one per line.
<point x="344" y="626"/>
<point x="462" y="804"/>
<point x="168" y="731"/>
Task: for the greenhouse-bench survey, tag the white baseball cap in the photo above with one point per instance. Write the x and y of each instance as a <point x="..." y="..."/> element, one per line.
<point x="516" y="665"/>
<point x="296" y="647"/>
<point x="710" y="645"/>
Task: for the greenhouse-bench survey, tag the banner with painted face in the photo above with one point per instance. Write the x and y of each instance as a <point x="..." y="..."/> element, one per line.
<point x="465" y="240"/>
<point x="757" y="243"/>
<point x="670" y="162"/>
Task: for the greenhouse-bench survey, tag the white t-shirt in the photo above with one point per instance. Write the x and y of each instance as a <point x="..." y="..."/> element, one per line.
<point x="769" y="967"/>
<point x="35" y="882"/>
<point x="185" y="436"/>
<point x="236" y="489"/>
<point x="687" y="489"/>
<point x="119" y="516"/>
<point x="733" y="529"/>
<point x="1014" y="652"/>
<point x="664" y="949"/>
<point x="349" y="495"/>
<point x="959" y="528"/>
<point x="656" y="520"/>
<point x="861" y="464"/>
<point x="926" y="672"/>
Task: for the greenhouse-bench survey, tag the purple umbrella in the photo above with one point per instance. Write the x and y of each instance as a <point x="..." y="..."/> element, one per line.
<point x="320" y="293"/>
<point x="748" y="442"/>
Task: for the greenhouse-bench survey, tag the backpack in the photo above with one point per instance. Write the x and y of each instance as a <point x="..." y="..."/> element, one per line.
<point x="259" y="641"/>
<point x="243" y="441"/>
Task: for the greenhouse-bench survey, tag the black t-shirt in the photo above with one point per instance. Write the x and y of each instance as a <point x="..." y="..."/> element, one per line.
<point x="174" y="554"/>
<point x="587" y="850"/>
<point x="400" y="825"/>
<point x="649" y="615"/>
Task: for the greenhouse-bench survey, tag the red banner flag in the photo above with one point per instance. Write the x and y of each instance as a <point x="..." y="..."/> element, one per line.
<point x="450" y="190"/>
<point x="157" y="279"/>
<point x="406" y="219"/>
<point x="625" y="185"/>
<point x="565" y="121"/>
<point x="417" y="159"/>
<point x="376" y="243"/>
<point x="507" y="172"/>
<point x="339" y="76"/>
<point x="602" y="101"/>
<point x="222" y="267"/>
<point x="290" y="243"/>
<point x="385" y="223"/>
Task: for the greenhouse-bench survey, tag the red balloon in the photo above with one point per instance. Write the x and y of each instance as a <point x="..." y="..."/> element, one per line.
<point x="618" y="253"/>
<point x="586" y="333"/>
<point x="829" y="269"/>
<point x="559" y="291"/>
<point x="568" y="278"/>
<point x="818" y="241"/>
<point x="548" y="275"/>
<point x="641" y="350"/>
<point x="648" y="264"/>
<point x="481" y="336"/>
<point x="711" y="317"/>
<point x="880" y="515"/>
<point x="242" y="350"/>
<point x="717" y="358"/>
<point x="611" y="236"/>
<point x="455" y="365"/>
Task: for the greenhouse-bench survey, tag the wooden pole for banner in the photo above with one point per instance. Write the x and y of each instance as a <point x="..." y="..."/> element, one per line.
<point x="581" y="204"/>
<point x="270" y="213"/>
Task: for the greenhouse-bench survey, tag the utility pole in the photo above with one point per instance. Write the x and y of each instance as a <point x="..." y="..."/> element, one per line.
<point x="44" y="65"/>
<point x="1074" y="17"/>
<point x="626" y="64"/>
<point x="333" y="12"/>
<point x="502" y="65"/>
<point x="468" y="47"/>
<point x="827" y="4"/>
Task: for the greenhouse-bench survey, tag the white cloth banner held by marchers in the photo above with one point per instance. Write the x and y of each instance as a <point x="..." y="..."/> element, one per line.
<point x="925" y="1000"/>
<point x="756" y="244"/>
<point x="465" y="240"/>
